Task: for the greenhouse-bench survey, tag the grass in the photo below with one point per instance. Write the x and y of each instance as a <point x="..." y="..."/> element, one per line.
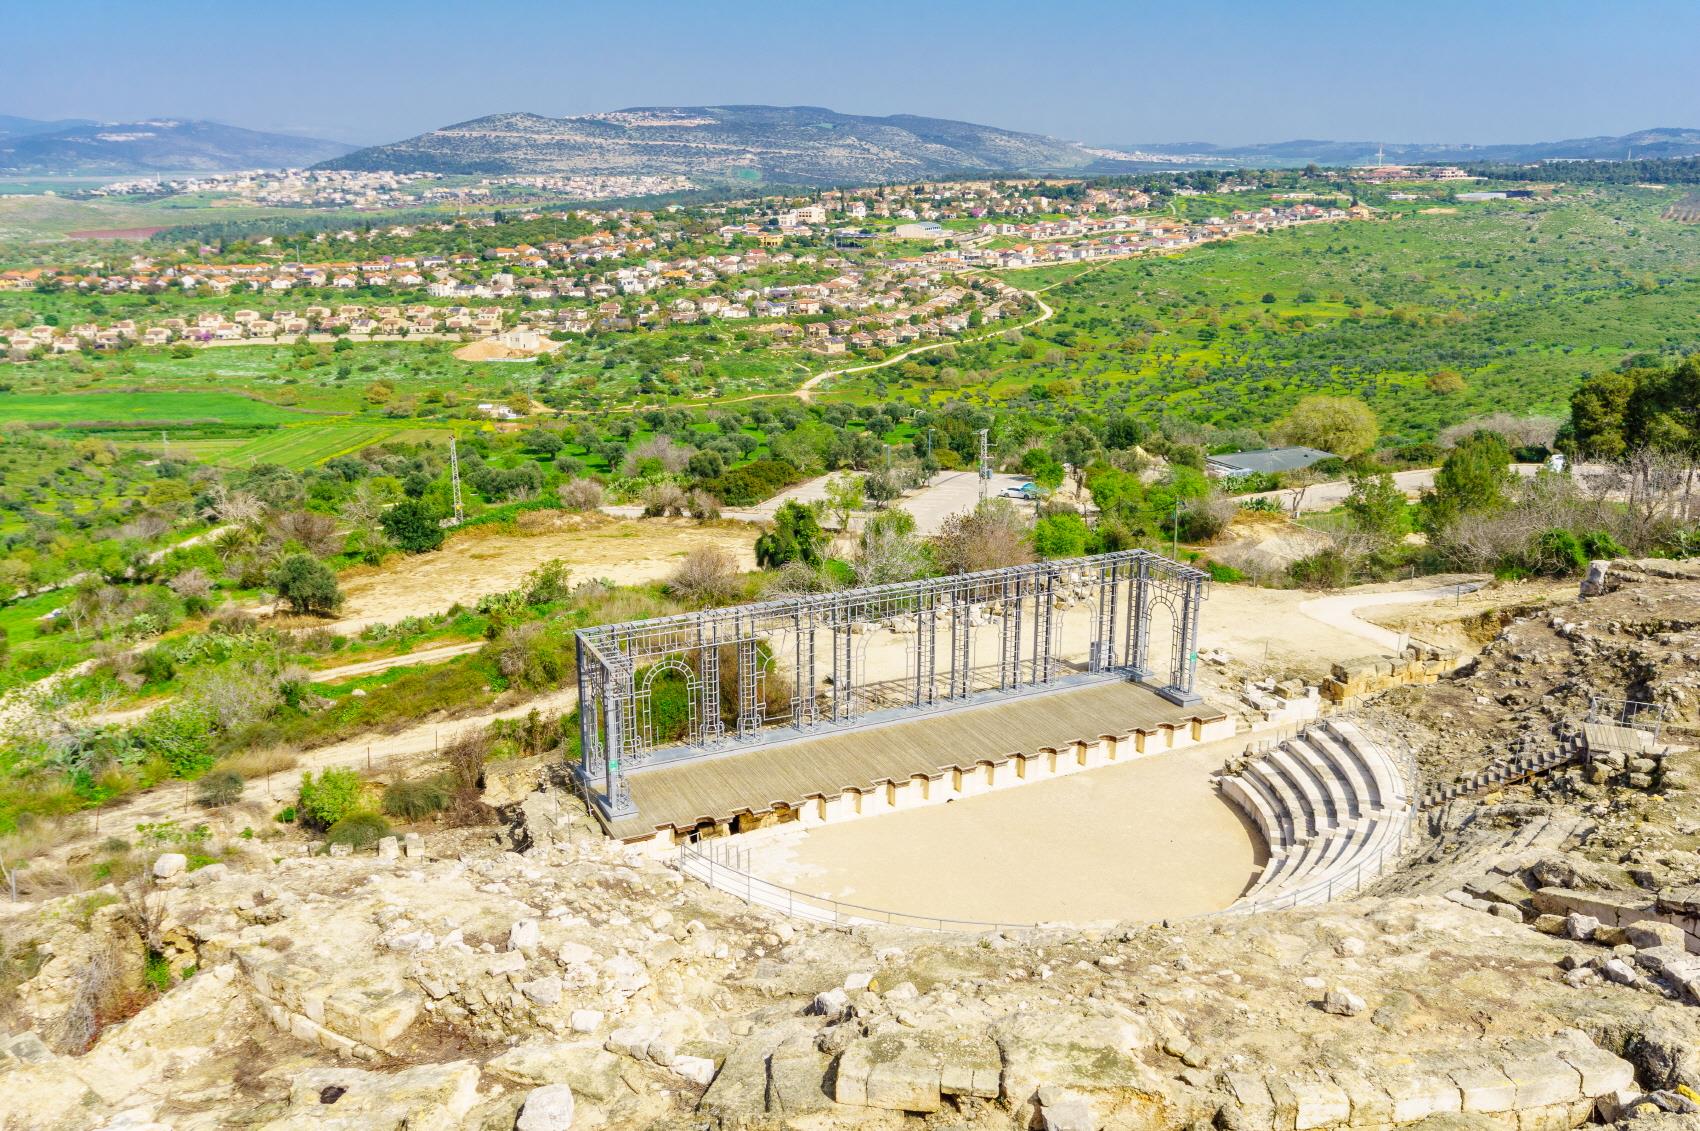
<point x="134" y="407"/>
<point x="1523" y="300"/>
<point x="304" y="445"/>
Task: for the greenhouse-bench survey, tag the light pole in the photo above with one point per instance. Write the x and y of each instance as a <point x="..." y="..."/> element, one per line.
<point x="1175" y="535"/>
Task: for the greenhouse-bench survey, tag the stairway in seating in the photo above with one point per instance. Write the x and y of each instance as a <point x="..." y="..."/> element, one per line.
<point x="1335" y="807"/>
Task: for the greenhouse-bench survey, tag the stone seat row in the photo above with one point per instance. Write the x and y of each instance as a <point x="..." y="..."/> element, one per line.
<point x="1333" y="807"/>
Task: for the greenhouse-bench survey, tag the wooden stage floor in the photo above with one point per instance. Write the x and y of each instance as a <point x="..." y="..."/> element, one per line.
<point x="718" y="787"/>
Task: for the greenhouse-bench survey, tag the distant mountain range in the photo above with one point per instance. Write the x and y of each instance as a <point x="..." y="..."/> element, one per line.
<point x="796" y="145"/>
<point x="781" y="144"/>
<point x="155" y="146"/>
<point x="1662" y="142"/>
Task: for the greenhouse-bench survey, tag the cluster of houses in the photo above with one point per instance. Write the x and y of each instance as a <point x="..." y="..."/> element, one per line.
<point x="615" y="278"/>
<point x="335" y="188"/>
<point x="857" y="308"/>
<point x="1143" y="236"/>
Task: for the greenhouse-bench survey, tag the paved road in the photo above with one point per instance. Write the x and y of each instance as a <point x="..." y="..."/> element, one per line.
<point x="1341" y="612"/>
<point x="947" y="493"/>
<point x="1327" y="496"/>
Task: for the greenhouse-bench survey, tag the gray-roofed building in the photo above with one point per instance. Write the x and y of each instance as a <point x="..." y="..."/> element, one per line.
<point x="1267" y="461"/>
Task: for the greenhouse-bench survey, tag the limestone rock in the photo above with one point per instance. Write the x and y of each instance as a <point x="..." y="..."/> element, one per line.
<point x="434" y="1096"/>
<point x="169" y="866"/>
<point x="524" y="936"/>
<point x="549" y="1108"/>
<point x="1343" y="1002"/>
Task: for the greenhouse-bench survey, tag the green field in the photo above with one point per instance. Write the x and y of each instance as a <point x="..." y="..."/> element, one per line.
<point x="133" y="407"/>
<point x="304" y="445"/>
<point x="1521" y="300"/>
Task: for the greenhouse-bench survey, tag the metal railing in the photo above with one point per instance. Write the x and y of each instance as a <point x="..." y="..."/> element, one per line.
<point x="1402" y="812"/>
<point x="726" y="867"/>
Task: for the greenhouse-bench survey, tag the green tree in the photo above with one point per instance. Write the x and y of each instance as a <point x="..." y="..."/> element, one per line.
<point x="329" y="798"/>
<point x="1344" y="426"/>
<point x="1476" y="477"/>
<point x="413" y="526"/>
<point x="796" y="537"/>
<point x="1060" y="536"/>
<point x="1375" y="505"/>
<point x="845" y="495"/>
<point x="307" y="584"/>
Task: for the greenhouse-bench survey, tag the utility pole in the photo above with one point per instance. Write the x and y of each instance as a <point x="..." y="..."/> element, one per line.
<point x="454" y="481"/>
<point x="985" y="464"/>
<point x="1175" y="535"/>
<point x="164" y="447"/>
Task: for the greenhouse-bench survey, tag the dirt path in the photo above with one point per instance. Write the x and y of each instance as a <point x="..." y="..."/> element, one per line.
<point x="476" y="563"/>
<point x="1342" y="612"/>
<point x="437" y="655"/>
<point x="406" y="751"/>
<point x="1302" y="634"/>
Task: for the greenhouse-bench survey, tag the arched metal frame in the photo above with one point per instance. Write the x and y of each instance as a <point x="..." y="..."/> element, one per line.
<point x="1020" y="605"/>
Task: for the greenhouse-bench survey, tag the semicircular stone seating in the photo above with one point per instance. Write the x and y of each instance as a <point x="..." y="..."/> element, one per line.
<point x="1334" y="807"/>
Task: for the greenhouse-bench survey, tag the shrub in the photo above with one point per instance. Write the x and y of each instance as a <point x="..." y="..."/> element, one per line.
<point x="221" y="787"/>
<point x="750" y="484"/>
<point x="708" y="575"/>
<point x="1600" y="544"/>
<point x="580" y="494"/>
<point x="413" y="526"/>
<point x="663" y="500"/>
<point x="796" y="537"/>
<point x="1560" y="553"/>
<point x="704" y="507"/>
<point x="414" y="799"/>
<point x="307" y="584"/>
<point x="358" y="830"/>
<point x="329" y="798"/>
<point x="1325" y="569"/>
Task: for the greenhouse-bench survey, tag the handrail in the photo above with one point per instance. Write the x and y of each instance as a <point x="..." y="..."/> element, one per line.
<point x="713" y="864"/>
<point x="703" y="865"/>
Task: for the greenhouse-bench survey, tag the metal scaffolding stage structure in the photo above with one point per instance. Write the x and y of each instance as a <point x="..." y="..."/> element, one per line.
<point x="662" y="690"/>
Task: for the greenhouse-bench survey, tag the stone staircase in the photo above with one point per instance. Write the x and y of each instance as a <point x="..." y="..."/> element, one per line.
<point x="1335" y="807"/>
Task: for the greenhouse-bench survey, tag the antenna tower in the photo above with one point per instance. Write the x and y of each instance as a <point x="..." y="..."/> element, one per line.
<point x="454" y="481"/>
<point x="985" y="465"/>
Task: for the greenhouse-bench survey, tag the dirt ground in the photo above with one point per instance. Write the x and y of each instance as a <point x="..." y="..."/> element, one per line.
<point x="1144" y="840"/>
<point x="475" y="562"/>
<point x="1293" y="631"/>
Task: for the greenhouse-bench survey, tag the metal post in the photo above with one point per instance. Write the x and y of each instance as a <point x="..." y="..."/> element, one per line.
<point x="1139" y="622"/>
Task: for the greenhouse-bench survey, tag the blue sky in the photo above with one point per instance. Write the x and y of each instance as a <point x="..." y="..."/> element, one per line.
<point x="1227" y="72"/>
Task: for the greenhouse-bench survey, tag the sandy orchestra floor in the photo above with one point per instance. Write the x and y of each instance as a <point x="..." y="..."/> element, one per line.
<point x="1143" y="840"/>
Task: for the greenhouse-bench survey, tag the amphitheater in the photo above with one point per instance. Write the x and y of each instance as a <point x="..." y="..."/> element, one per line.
<point x="927" y="755"/>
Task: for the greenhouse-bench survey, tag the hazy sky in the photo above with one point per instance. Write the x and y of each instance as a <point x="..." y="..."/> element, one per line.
<point x="1129" y="71"/>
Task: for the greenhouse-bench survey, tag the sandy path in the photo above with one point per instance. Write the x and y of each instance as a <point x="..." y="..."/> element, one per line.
<point x="404" y="751"/>
<point x="1299" y="632"/>
<point x="475" y="563"/>
<point x="1148" y="839"/>
<point x="1341" y="612"/>
<point x="437" y="655"/>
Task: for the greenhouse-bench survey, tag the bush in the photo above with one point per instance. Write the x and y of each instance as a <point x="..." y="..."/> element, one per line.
<point x="413" y="526"/>
<point x="1325" y="569"/>
<point x="796" y="537"/>
<point x="707" y="576"/>
<point x="307" y="584"/>
<point x="358" y="830"/>
<point x="417" y="798"/>
<point x="325" y="801"/>
<point x="750" y="484"/>
<point x="221" y="787"/>
<point x="580" y="494"/>
<point x="1560" y="553"/>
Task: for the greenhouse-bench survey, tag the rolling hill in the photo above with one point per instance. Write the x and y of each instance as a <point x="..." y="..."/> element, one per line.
<point x="1653" y="143"/>
<point x="781" y="144"/>
<point x="152" y="146"/>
